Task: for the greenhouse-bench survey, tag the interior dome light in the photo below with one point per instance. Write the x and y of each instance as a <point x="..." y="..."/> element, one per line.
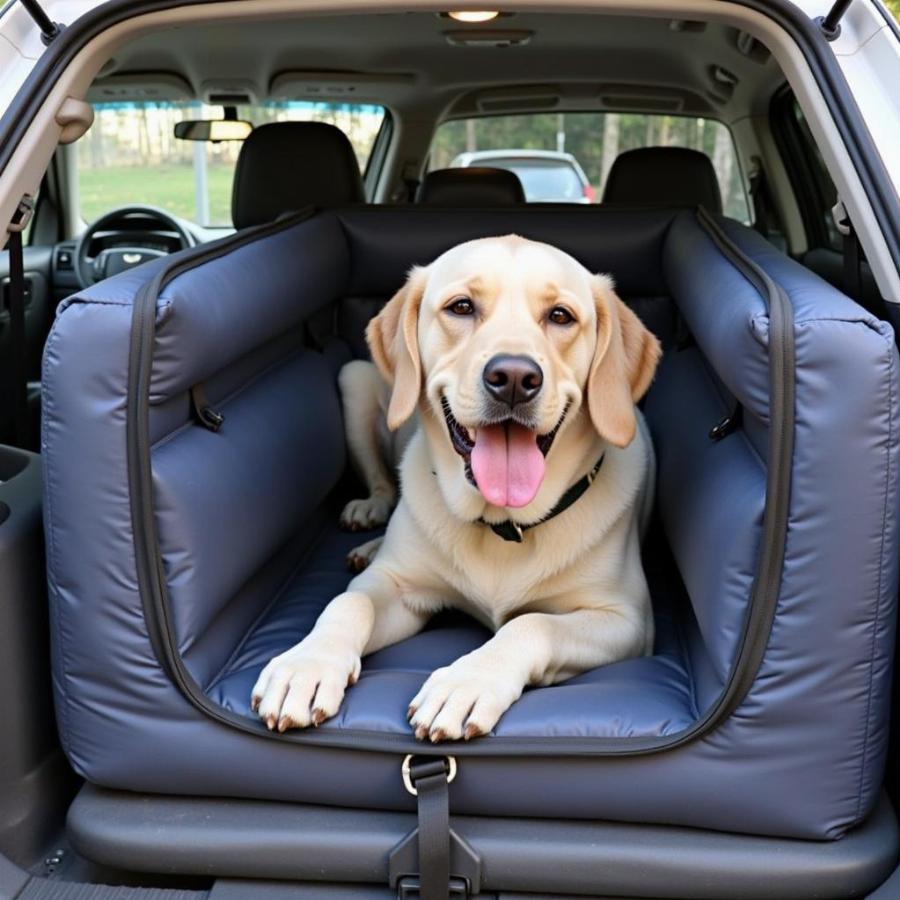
<point x="474" y="15"/>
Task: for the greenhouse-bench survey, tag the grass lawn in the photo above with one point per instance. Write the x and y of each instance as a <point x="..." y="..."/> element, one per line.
<point x="169" y="187"/>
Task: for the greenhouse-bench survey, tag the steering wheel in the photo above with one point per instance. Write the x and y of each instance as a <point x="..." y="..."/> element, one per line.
<point x="113" y="260"/>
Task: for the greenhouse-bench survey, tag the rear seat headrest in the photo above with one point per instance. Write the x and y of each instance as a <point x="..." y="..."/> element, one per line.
<point x="285" y="166"/>
<point x="663" y="176"/>
<point x="474" y="186"/>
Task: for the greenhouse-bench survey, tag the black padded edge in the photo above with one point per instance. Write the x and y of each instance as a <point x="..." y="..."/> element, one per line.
<point x="259" y="839"/>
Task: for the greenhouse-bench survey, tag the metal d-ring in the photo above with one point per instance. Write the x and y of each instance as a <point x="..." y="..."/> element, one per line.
<point x="406" y="767"/>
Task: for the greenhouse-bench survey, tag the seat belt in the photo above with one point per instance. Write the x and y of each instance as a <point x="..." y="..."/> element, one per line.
<point x="759" y="196"/>
<point x="852" y="260"/>
<point x="411" y="180"/>
<point x="18" y="372"/>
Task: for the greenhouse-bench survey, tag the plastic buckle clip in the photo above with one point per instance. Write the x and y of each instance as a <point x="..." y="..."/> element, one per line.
<point x="841" y="218"/>
<point x="408" y="888"/>
<point x="23" y="215"/>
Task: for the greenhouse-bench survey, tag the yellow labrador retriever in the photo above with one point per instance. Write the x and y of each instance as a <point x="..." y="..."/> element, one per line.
<point x="525" y="488"/>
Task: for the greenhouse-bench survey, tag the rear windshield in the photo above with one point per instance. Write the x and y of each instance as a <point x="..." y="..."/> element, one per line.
<point x="543" y="179"/>
<point x="594" y="140"/>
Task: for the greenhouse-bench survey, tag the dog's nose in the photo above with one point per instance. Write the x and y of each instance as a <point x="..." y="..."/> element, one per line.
<point x="512" y="379"/>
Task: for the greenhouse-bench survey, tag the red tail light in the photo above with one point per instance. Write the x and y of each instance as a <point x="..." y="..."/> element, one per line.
<point x="590" y="193"/>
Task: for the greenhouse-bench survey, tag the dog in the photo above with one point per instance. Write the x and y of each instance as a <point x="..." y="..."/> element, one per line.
<point x="526" y="485"/>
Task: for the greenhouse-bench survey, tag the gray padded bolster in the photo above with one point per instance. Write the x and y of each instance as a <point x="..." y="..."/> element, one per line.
<point x="216" y="313"/>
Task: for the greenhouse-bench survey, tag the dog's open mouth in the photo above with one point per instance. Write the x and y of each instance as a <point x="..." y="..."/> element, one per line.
<point x="503" y="460"/>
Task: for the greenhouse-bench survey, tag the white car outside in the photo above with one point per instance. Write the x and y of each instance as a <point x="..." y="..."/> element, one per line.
<point x="547" y="176"/>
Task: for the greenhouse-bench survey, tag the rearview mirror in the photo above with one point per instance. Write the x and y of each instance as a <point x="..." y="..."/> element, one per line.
<point x="214" y="130"/>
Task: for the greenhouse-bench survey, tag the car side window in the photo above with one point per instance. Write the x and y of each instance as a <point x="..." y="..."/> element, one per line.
<point x="131" y="155"/>
<point x="815" y="191"/>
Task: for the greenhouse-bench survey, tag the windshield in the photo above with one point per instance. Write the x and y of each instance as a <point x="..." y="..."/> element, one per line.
<point x="543" y="179"/>
<point x="594" y="139"/>
<point x="131" y="155"/>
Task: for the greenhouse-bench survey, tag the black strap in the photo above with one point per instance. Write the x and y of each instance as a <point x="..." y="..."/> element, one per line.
<point x="18" y="372"/>
<point x="852" y="264"/>
<point x="513" y="531"/>
<point x="412" y="189"/>
<point x="430" y="779"/>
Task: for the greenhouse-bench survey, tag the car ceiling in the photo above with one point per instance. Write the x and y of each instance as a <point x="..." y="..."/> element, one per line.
<point x="405" y="61"/>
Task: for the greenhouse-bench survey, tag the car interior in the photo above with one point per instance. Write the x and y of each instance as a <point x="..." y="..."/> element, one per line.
<point x="169" y="508"/>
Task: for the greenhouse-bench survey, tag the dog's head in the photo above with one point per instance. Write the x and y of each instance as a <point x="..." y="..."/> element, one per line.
<point x="523" y="357"/>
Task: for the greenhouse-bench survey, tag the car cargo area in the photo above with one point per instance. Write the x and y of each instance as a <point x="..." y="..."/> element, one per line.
<point x="175" y="516"/>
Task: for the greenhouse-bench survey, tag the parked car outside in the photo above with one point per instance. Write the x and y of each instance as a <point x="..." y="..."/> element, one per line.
<point x="547" y="176"/>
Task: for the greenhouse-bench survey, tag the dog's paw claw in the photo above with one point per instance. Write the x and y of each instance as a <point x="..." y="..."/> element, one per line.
<point x="437" y="735"/>
<point x="472" y="731"/>
<point x="318" y="716"/>
<point x="421" y="732"/>
<point x="360" y="557"/>
<point x="356" y="563"/>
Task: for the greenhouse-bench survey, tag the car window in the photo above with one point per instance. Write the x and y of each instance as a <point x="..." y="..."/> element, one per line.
<point x="592" y="141"/>
<point x="815" y="191"/>
<point x="130" y="155"/>
<point x="544" y="179"/>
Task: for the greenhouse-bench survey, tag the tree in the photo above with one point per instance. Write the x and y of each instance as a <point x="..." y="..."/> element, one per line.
<point x="610" y="144"/>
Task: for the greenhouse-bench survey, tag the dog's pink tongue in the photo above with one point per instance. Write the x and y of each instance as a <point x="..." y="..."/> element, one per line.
<point x="507" y="464"/>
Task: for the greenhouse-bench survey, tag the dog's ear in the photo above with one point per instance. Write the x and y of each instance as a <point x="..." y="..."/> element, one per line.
<point x="623" y="365"/>
<point x="394" y="344"/>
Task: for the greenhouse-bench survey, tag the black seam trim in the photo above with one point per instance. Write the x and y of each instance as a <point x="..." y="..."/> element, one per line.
<point x="879" y="600"/>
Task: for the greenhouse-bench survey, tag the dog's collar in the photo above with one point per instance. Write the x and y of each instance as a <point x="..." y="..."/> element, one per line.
<point x="514" y="531"/>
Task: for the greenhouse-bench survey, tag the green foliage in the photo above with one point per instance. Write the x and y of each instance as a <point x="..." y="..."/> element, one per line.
<point x="169" y="187"/>
<point x="894" y="7"/>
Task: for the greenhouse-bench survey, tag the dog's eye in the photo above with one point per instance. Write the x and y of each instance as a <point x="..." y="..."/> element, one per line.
<point x="559" y="315"/>
<point x="461" y="306"/>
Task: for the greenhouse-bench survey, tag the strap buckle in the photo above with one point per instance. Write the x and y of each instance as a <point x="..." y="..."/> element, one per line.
<point x="409" y="781"/>
<point x="23" y="215"/>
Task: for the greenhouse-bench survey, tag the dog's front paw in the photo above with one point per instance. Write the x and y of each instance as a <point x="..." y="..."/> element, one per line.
<point x="360" y="557"/>
<point x="463" y="700"/>
<point x="304" y="686"/>
<point x="361" y="515"/>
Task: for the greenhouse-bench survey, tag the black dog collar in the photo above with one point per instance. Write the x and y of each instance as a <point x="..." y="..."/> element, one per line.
<point x="513" y="531"/>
